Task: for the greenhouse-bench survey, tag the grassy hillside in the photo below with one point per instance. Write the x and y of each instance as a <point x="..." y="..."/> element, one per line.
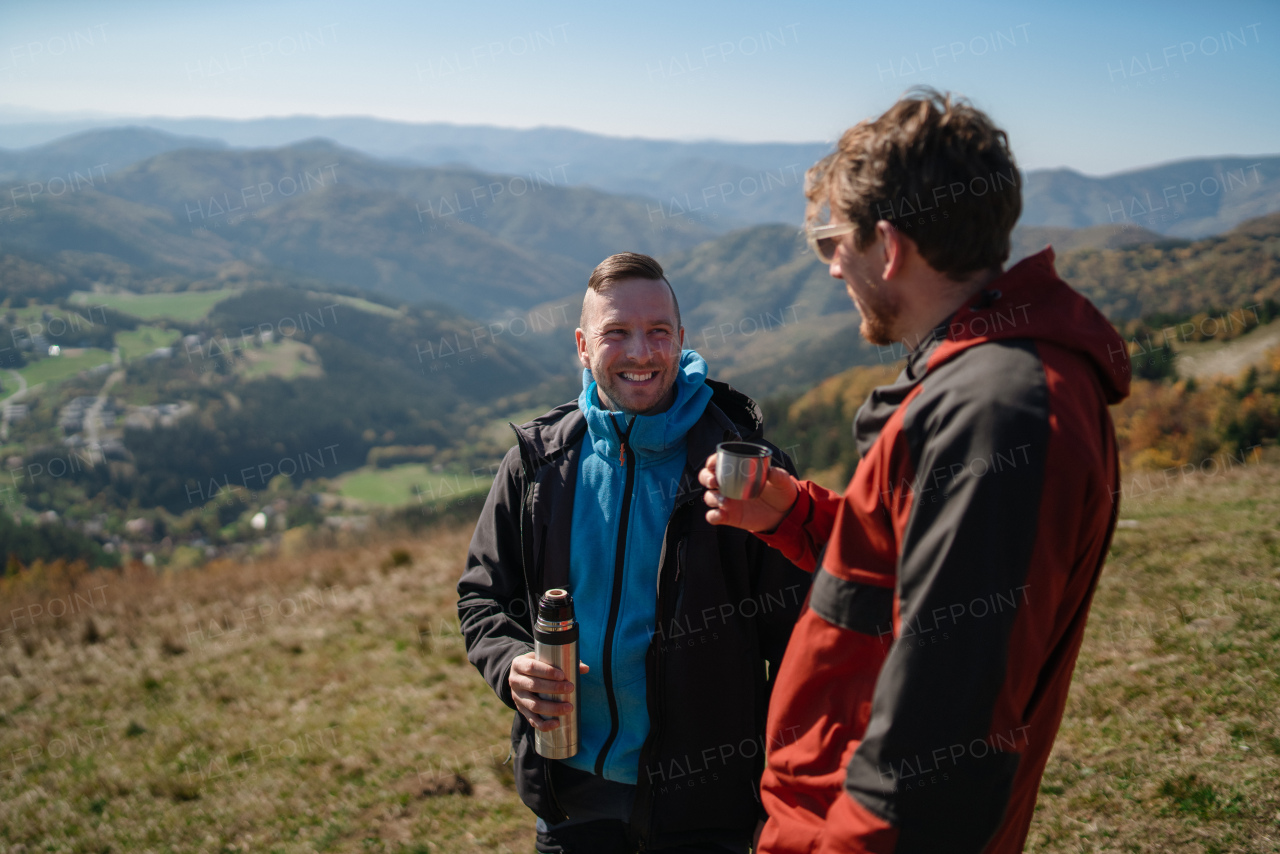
<point x="315" y="703"/>
<point x="267" y="393"/>
<point x="68" y="364"/>
<point x="1171" y="738"/>
<point x="321" y="700"/>
<point x="411" y="484"/>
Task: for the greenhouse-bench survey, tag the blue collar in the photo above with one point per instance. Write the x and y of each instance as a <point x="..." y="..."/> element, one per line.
<point x="648" y="436"/>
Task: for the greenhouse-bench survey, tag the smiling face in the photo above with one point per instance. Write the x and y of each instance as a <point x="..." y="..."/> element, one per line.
<point x="631" y="343"/>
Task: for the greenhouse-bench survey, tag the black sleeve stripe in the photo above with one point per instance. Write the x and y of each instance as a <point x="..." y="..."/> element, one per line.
<point x="852" y="605"/>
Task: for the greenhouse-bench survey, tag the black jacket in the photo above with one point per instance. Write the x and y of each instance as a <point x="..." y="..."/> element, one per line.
<point x="726" y="605"/>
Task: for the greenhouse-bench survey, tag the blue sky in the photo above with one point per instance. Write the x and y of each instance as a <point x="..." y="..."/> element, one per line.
<point x="1096" y="86"/>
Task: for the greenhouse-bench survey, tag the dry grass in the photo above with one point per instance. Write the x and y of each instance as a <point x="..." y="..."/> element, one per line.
<point x="315" y="703"/>
<point x="1171" y="739"/>
<point x="322" y="702"/>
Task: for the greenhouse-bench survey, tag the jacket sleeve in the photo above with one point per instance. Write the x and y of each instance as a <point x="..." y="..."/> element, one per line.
<point x="493" y="604"/>
<point x="780" y="587"/>
<point x="804" y="531"/>
<point x="934" y="770"/>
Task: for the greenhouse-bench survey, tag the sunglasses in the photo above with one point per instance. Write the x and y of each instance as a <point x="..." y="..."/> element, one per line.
<point x="825" y="239"/>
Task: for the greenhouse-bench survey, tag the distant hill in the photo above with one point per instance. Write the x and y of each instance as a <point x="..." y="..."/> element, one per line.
<point x="1030" y="239"/>
<point x="1219" y="298"/>
<point x="1190" y="198"/>
<point x="764" y="312"/>
<point x="91" y="154"/>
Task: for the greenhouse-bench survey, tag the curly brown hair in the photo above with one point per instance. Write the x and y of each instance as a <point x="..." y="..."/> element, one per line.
<point x="938" y="169"/>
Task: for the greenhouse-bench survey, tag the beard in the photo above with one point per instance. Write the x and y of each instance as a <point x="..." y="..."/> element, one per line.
<point x="879" y="314"/>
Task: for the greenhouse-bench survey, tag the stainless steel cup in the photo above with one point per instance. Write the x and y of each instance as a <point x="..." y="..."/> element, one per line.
<point x="742" y="468"/>
<point x="555" y="641"/>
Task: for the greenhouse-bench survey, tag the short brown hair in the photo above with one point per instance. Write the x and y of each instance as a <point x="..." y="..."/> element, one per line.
<point x="938" y="169"/>
<point x="619" y="268"/>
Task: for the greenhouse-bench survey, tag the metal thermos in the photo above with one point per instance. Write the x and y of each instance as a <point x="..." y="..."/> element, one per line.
<point x="555" y="641"/>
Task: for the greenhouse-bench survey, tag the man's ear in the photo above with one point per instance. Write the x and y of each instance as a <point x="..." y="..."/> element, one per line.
<point x="583" y="357"/>
<point x="894" y="248"/>
<point x="681" y="336"/>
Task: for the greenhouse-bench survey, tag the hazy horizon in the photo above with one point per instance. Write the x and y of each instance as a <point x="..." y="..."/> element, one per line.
<point x="1097" y="88"/>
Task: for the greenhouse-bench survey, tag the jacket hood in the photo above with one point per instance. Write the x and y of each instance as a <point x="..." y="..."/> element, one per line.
<point x="649" y="435"/>
<point x="1029" y="301"/>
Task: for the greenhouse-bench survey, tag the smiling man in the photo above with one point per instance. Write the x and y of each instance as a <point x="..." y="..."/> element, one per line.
<point x="681" y="624"/>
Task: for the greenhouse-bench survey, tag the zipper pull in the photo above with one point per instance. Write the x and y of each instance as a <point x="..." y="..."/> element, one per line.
<point x="622" y="439"/>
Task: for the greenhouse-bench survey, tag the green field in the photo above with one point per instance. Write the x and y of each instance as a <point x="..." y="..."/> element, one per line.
<point x="356" y="302"/>
<point x="185" y="306"/>
<point x="52" y="369"/>
<point x="76" y="319"/>
<point x="143" y="340"/>
<point x="286" y="359"/>
<point x="411" y="483"/>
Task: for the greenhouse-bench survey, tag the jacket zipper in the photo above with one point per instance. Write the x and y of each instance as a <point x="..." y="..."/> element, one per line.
<point x="615" y="598"/>
<point x="656" y="722"/>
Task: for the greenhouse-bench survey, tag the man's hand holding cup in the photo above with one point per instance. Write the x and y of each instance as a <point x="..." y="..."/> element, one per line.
<point x="745" y="471"/>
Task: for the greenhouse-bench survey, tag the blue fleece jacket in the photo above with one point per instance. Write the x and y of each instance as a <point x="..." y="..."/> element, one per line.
<point x="657" y="443"/>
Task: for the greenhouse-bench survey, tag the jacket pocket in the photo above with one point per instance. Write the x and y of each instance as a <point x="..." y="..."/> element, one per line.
<point x="677" y="580"/>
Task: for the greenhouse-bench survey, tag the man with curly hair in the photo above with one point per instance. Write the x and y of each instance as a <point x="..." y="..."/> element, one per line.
<point x="926" y="679"/>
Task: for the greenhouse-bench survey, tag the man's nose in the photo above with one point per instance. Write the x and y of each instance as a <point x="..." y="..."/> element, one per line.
<point x="834" y="268"/>
<point x="639" y="349"/>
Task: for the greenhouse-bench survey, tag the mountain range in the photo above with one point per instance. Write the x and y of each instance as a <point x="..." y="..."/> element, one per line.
<point x="721" y="185"/>
<point x="485" y="244"/>
<point x="173" y="213"/>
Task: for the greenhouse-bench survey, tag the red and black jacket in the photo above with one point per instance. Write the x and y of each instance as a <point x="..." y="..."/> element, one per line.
<point x="920" y="694"/>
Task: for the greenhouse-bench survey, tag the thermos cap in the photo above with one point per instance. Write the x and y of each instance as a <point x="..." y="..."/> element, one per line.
<point x="556" y="606"/>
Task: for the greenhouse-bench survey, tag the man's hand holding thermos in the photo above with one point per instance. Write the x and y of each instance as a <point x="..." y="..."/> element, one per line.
<point x="538" y="679"/>
<point x="530" y="678"/>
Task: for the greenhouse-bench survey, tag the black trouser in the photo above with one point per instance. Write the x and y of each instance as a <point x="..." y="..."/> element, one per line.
<point x="610" y="837"/>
